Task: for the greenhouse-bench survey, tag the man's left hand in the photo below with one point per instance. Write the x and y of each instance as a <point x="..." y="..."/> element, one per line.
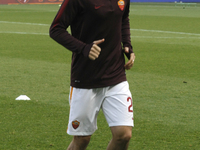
<point x="130" y="63"/>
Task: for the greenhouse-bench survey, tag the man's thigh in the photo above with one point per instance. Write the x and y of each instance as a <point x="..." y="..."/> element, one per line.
<point x="118" y="106"/>
<point x="84" y="108"/>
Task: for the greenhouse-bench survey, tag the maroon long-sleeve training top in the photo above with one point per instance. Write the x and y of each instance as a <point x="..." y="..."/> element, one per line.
<point x="92" y="20"/>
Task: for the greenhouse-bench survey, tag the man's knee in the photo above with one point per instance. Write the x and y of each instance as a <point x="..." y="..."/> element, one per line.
<point x="124" y="138"/>
<point x="122" y="134"/>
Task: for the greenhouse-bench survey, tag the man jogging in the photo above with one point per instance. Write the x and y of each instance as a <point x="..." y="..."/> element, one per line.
<point x="100" y="35"/>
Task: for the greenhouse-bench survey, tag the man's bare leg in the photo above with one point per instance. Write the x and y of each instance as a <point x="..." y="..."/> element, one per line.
<point x="79" y="143"/>
<point x="121" y="138"/>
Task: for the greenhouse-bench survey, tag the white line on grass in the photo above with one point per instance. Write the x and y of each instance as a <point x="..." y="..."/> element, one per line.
<point x="154" y="37"/>
<point x="143" y="30"/>
<point x="159" y="31"/>
<point x="147" y="37"/>
<point x="30" y="11"/>
<point x="24" y="33"/>
<point x="26" y="23"/>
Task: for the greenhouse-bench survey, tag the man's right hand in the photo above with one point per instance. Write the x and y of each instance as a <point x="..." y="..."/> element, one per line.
<point x="95" y="49"/>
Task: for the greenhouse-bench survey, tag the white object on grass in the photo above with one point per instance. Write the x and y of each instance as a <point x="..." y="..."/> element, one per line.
<point x="23" y="97"/>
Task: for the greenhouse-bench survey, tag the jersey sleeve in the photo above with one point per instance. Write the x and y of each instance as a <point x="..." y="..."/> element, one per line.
<point x="64" y="18"/>
<point x="126" y="36"/>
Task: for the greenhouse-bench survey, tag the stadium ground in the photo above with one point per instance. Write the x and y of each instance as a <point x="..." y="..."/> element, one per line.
<point x="164" y="82"/>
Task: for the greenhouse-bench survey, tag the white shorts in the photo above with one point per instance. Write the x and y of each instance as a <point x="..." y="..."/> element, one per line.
<point x="85" y="104"/>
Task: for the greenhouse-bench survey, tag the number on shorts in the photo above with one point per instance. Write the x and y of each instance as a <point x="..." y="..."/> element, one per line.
<point x="131" y="105"/>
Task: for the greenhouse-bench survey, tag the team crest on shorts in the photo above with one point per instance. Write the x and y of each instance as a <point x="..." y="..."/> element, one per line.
<point x="121" y="4"/>
<point x="75" y="124"/>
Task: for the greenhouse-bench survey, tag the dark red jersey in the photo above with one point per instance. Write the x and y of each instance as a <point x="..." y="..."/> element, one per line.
<point x="92" y="20"/>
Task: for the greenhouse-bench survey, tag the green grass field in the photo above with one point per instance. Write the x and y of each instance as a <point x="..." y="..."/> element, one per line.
<point x="165" y="80"/>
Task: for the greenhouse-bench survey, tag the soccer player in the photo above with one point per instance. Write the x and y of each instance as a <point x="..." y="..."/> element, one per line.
<point x="100" y="35"/>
